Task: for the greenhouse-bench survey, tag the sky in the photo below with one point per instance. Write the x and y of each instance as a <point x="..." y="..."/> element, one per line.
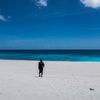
<point x="49" y="24"/>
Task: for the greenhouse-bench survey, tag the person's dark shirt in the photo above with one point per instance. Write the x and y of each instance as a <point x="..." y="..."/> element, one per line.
<point x="41" y="65"/>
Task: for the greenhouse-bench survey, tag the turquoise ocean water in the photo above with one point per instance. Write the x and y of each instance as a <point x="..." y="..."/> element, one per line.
<point x="51" y="55"/>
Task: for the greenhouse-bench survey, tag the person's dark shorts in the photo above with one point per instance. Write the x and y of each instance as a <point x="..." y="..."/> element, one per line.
<point x="41" y="71"/>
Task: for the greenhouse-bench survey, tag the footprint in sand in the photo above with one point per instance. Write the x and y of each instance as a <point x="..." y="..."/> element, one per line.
<point x="91" y="89"/>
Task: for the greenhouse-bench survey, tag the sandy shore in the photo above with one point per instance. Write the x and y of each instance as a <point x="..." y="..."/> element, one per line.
<point x="62" y="81"/>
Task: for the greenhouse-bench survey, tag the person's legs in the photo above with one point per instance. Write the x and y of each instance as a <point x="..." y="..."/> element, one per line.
<point x="39" y="73"/>
<point x="42" y="73"/>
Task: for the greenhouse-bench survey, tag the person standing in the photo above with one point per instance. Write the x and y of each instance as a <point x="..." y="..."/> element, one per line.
<point x="40" y="67"/>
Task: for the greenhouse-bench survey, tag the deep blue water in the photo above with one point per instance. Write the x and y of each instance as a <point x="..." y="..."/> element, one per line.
<point x="51" y="55"/>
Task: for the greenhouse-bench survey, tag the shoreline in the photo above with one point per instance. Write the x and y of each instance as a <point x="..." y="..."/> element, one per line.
<point x="51" y="61"/>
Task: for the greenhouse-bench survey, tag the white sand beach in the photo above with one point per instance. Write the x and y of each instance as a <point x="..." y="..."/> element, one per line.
<point x="61" y="81"/>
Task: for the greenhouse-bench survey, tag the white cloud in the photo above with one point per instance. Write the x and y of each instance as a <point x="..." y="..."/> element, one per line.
<point x="3" y="18"/>
<point x="41" y="3"/>
<point x="91" y="3"/>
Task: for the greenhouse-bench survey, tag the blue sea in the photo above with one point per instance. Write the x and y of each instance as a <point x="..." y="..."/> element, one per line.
<point x="51" y="55"/>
